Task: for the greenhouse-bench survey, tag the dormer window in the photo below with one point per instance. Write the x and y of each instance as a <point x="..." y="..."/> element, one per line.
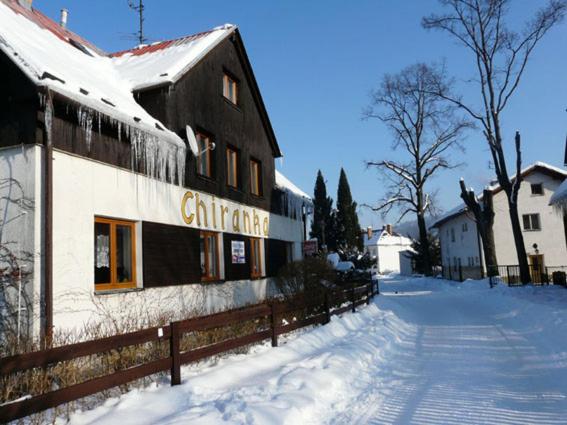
<point x="230" y="89"/>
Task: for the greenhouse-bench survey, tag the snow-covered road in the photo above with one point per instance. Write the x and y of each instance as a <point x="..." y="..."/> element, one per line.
<point x="425" y="352"/>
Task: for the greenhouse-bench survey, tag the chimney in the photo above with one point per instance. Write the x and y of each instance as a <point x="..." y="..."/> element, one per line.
<point x="64" y="17"/>
<point x="369" y="232"/>
<point x="26" y="3"/>
<point x="389" y="229"/>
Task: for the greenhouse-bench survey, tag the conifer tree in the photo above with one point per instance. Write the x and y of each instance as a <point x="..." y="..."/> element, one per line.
<point x="348" y="227"/>
<point x="321" y="227"/>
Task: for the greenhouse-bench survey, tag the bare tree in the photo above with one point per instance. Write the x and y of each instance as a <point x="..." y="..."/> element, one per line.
<point x="425" y="128"/>
<point x="484" y="217"/>
<point x="500" y="57"/>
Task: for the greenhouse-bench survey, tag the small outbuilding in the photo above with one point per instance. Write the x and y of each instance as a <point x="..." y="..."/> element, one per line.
<point x="386" y="245"/>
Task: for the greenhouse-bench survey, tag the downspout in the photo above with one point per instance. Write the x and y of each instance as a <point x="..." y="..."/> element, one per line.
<point x="47" y="332"/>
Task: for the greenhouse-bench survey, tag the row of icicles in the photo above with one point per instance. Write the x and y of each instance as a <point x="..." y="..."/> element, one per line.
<point x="159" y="158"/>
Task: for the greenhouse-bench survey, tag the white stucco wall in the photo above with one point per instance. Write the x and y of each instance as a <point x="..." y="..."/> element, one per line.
<point x="550" y="239"/>
<point x="386" y="249"/>
<point x="84" y="189"/>
<point x="465" y="246"/>
<point x="20" y="227"/>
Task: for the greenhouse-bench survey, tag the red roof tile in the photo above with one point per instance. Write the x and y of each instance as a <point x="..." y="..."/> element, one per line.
<point x="155" y="47"/>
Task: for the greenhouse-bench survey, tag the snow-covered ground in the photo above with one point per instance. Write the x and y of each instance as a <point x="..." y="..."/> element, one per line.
<point x="425" y="352"/>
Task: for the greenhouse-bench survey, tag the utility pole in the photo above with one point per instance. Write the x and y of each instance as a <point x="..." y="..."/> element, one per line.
<point x="140" y="10"/>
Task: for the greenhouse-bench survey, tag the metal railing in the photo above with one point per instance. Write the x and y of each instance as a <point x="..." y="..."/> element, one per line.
<point x="507" y="274"/>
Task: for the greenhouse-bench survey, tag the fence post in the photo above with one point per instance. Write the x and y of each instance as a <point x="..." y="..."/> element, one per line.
<point x="368" y="292"/>
<point x="175" y="354"/>
<point x="508" y="274"/>
<point x="460" y="272"/>
<point x="353" y="298"/>
<point x="327" y="307"/>
<point x="273" y="322"/>
<point x="377" y="287"/>
<point x="546" y="276"/>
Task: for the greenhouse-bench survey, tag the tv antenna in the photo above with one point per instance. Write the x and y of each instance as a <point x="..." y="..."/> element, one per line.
<point x="139" y="8"/>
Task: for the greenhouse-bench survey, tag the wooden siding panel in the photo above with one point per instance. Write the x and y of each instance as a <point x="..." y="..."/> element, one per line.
<point x="18" y="105"/>
<point x="171" y="255"/>
<point x="276" y="256"/>
<point x="197" y="100"/>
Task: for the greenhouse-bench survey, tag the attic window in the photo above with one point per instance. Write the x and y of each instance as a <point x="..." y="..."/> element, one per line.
<point x="230" y="88"/>
<point x="537" y="189"/>
<point x="79" y="46"/>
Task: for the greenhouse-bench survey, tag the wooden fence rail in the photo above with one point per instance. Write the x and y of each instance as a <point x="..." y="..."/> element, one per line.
<point x="332" y="303"/>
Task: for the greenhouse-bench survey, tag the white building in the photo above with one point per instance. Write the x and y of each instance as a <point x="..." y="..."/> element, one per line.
<point x="543" y="226"/>
<point x="387" y="247"/>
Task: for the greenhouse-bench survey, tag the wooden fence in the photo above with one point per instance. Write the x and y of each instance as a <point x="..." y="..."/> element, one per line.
<point x="334" y="302"/>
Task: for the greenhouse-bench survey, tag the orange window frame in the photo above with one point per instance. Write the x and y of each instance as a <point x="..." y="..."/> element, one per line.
<point x="204" y="157"/>
<point x="114" y="284"/>
<point x="207" y="277"/>
<point x="230" y="83"/>
<point x="255" y="256"/>
<point x="232" y="176"/>
<point x="255" y="177"/>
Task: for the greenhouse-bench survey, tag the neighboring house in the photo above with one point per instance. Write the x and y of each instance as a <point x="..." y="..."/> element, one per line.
<point x="386" y="245"/>
<point x="543" y="227"/>
<point x="141" y="182"/>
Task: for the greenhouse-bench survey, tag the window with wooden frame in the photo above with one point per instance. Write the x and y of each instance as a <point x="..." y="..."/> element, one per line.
<point x="531" y="222"/>
<point x="209" y="256"/>
<point x="205" y="157"/>
<point x="232" y="167"/>
<point x="230" y="88"/>
<point x="255" y="177"/>
<point x="255" y="257"/>
<point x="114" y="254"/>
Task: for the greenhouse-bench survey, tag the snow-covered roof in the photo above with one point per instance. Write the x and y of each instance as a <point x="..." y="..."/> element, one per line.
<point x="66" y="64"/>
<point x="165" y="62"/>
<point x="536" y="166"/>
<point x="383" y="238"/>
<point x="284" y="183"/>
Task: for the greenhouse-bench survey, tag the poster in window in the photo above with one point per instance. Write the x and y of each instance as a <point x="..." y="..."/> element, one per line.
<point x="238" y="252"/>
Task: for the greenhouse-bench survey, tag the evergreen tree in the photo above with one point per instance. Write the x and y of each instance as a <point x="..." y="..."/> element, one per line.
<point x="426" y="255"/>
<point x="322" y="224"/>
<point x="348" y="227"/>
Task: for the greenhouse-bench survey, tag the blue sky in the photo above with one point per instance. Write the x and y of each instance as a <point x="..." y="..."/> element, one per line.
<point x="316" y="62"/>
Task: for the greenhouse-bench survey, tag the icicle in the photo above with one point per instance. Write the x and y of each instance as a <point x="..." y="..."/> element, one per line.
<point x="48" y="119"/>
<point x="85" y="117"/>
